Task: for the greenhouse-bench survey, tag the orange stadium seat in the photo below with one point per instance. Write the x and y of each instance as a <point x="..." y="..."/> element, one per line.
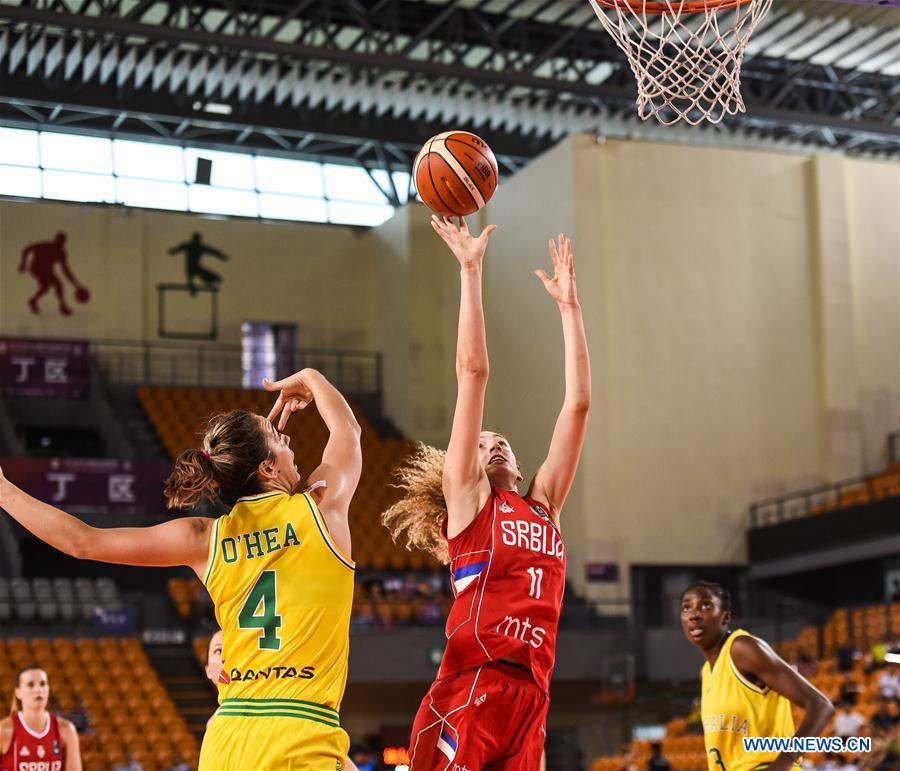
<point x="140" y="727"/>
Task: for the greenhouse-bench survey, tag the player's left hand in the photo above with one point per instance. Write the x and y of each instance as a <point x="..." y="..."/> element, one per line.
<point x="295" y="394"/>
<point x="562" y="286"/>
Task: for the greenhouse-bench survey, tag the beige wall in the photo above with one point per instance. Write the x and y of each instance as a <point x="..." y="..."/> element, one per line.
<point x="277" y="272"/>
<point x="742" y="307"/>
<point x="742" y="314"/>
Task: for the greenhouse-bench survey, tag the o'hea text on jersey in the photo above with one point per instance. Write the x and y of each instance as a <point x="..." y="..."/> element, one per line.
<point x="258" y="543"/>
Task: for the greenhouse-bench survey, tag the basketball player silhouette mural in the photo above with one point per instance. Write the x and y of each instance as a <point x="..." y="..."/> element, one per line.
<point x="193" y="252"/>
<point x="41" y="259"/>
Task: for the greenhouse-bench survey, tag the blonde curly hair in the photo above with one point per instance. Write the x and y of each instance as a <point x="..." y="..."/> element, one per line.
<point x="418" y="516"/>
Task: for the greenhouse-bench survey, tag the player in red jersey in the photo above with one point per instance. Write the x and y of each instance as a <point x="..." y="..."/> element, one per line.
<point x="487" y="709"/>
<point x="31" y="738"/>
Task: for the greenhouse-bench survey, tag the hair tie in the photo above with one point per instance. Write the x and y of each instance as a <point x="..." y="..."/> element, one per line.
<point x="205" y="454"/>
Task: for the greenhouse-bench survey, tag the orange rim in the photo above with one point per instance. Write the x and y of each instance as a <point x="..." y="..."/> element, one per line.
<point x="654" y="7"/>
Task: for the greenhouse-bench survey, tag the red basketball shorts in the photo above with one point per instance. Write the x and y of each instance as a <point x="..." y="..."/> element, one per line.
<point x="492" y="718"/>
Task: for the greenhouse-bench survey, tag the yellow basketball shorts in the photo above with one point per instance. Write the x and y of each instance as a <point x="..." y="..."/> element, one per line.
<point x="269" y="735"/>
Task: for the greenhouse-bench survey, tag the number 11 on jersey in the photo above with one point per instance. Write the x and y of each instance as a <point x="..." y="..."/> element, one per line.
<point x="537" y="576"/>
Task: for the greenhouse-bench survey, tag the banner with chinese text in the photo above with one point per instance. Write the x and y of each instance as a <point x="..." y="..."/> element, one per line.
<point x="92" y="486"/>
<point x="44" y="367"/>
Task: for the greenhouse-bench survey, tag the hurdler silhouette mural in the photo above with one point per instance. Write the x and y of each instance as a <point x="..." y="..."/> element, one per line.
<point x="41" y="259"/>
<point x="193" y="252"/>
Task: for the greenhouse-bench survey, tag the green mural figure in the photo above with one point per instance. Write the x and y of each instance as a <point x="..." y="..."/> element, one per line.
<point x="193" y="252"/>
<point x="41" y="259"/>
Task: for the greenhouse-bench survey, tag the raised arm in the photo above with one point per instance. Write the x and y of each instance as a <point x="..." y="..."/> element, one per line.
<point x="465" y="484"/>
<point x="553" y="480"/>
<point x="341" y="464"/>
<point x="756" y="660"/>
<point x="178" y="542"/>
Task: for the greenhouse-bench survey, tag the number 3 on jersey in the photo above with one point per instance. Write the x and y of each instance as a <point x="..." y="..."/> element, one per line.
<point x="263" y="592"/>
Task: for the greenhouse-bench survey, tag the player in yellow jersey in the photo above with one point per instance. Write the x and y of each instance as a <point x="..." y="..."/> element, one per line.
<point x="746" y="689"/>
<point x="277" y="566"/>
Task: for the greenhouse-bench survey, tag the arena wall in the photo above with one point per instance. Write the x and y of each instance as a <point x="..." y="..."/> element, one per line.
<point x="742" y="307"/>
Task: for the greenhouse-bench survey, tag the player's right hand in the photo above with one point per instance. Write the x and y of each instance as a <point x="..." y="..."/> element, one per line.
<point x="468" y="249"/>
<point x="295" y="394"/>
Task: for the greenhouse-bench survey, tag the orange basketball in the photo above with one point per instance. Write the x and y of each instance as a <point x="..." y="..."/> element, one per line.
<point x="455" y="173"/>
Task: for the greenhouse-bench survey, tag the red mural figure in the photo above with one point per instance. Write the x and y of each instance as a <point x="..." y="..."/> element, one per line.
<point x="44" y="257"/>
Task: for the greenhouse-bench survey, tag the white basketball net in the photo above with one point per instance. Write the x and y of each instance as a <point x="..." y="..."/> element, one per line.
<point x="685" y="55"/>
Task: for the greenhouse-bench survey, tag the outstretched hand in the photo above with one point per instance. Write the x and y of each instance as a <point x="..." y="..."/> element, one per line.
<point x="561" y="287"/>
<point x="295" y="394"/>
<point x="468" y="249"/>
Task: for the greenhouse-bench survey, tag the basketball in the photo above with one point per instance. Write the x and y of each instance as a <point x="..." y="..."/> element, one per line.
<point x="82" y="294"/>
<point x="455" y="173"/>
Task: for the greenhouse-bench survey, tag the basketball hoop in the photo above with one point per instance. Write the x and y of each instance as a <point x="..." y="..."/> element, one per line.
<point x="685" y="54"/>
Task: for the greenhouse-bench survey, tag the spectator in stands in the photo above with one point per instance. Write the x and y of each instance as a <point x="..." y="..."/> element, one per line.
<point x="885" y="755"/>
<point x="849" y="764"/>
<point x="832" y="762"/>
<point x="888" y="685"/>
<point x="848" y="721"/>
<point x="850" y="691"/>
<point x="846" y="655"/>
<point x="894" y="594"/>
<point x="364" y="759"/>
<point x="805" y="664"/>
<point x="629" y="761"/>
<point x="886" y="718"/>
<point x="657" y="761"/>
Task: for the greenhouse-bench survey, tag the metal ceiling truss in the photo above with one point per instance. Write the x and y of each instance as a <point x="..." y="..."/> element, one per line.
<point x="366" y="81"/>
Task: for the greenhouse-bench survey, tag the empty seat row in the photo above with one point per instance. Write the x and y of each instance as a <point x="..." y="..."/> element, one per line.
<point x="40" y="599"/>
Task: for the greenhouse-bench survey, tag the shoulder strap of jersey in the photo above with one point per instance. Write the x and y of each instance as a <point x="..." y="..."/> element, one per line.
<point x="741" y="678"/>
<point x="322" y="527"/>
<point x="213" y="549"/>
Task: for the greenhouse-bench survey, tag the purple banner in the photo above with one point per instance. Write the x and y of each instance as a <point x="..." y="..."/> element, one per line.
<point x="44" y="367"/>
<point x="87" y="486"/>
<point x="601" y="572"/>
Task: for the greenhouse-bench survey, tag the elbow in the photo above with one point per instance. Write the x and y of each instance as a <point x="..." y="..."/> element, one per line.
<point x="79" y="545"/>
<point x="824" y="709"/>
<point x="472" y="368"/>
<point x="579" y="405"/>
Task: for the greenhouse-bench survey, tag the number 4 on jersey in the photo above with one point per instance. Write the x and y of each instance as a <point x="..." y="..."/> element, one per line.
<point x="268" y="621"/>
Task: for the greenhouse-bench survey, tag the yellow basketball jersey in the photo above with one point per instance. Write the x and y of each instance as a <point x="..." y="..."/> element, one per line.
<point x="733" y="708"/>
<point x="283" y="593"/>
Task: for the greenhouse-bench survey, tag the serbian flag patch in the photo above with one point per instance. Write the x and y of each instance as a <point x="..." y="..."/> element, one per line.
<point x="447" y="744"/>
<point x="467" y="569"/>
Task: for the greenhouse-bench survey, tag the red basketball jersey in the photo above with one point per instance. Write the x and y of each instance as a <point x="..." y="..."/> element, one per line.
<point x="30" y="751"/>
<point x="508" y="570"/>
